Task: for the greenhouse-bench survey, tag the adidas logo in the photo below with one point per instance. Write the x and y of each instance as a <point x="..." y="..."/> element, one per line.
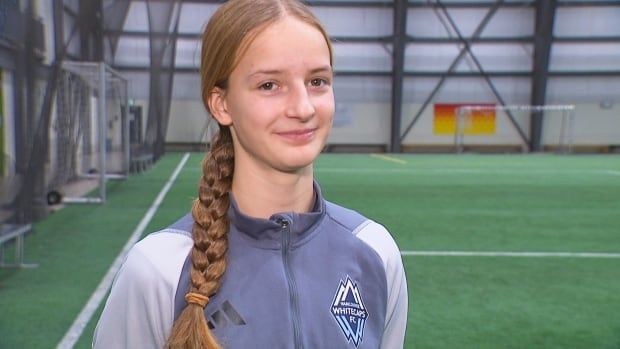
<point x="226" y="316"/>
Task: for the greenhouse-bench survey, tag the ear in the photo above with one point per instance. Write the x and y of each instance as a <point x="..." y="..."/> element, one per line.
<point x="218" y="107"/>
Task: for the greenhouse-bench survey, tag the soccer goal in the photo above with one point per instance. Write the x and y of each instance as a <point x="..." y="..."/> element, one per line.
<point x="558" y="123"/>
<point x="90" y="133"/>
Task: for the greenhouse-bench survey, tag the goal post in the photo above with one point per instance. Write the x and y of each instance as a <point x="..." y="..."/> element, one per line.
<point x="91" y="130"/>
<point x="562" y="141"/>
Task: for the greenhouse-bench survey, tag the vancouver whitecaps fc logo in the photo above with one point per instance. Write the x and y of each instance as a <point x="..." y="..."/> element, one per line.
<point x="349" y="311"/>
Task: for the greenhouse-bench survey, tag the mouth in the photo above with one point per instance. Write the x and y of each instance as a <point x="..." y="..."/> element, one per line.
<point x="298" y="134"/>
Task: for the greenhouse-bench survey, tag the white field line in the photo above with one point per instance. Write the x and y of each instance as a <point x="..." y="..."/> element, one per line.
<point x="74" y="333"/>
<point x="510" y="254"/>
<point x="520" y="172"/>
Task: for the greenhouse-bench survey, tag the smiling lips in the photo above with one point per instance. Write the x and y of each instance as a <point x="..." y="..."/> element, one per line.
<point x="300" y="135"/>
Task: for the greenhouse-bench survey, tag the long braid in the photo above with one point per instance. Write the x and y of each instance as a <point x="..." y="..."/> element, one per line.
<point x="208" y="255"/>
<point x="227" y="35"/>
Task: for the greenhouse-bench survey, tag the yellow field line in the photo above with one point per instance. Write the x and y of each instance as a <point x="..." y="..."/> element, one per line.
<point x="389" y="158"/>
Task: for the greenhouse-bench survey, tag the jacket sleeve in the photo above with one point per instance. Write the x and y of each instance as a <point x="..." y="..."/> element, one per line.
<point x="397" y="304"/>
<point x="397" y="298"/>
<point x="139" y="312"/>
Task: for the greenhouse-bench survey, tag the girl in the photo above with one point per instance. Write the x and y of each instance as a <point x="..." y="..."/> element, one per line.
<point x="263" y="261"/>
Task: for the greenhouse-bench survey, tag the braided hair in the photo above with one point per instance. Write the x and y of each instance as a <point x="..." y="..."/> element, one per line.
<point x="228" y="34"/>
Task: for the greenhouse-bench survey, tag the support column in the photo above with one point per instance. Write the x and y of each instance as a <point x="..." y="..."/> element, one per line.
<point x="91" y="30"/>
<point x="398" y="67"/>
<point x="545" y="16"/>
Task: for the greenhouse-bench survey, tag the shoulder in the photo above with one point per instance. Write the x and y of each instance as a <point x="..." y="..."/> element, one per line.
<point x="371" y="233"/>
<point x="347" y="218"/>
<point x="159" y="257"/>
<point x="169" y="242"/>
<point x="139" y="312"/>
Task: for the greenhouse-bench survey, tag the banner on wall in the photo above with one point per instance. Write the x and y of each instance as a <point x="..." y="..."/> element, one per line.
<point x="477" y="122"/>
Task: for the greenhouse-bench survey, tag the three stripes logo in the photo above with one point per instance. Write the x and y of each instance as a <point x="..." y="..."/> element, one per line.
<point x="349" y="311"/>
<point x="226" y="316"/>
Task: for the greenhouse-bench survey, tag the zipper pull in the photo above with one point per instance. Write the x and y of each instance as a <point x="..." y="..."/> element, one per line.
<point x="282" y="222"/>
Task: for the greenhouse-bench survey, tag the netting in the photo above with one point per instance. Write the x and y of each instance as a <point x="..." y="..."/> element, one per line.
<point x="90" y="135"/>
<point x="163" y="17"/>
<point x="558" y="124"/>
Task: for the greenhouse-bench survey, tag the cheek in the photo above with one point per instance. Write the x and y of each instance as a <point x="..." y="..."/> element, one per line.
<point x="246" y="112"/>
<point x="326" y="107"/>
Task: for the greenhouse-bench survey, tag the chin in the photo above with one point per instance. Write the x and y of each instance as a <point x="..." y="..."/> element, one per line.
<point x="297" y="160"/>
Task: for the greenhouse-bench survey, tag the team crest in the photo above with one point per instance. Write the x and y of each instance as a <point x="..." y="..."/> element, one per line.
<point x="349" y="311"/>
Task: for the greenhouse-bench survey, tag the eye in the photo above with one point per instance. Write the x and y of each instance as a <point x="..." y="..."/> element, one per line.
<point x="268" y="86"/>
<point x="318" y="82"/>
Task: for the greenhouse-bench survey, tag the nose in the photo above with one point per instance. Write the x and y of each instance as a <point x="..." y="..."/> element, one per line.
<point x="300" y="104"/>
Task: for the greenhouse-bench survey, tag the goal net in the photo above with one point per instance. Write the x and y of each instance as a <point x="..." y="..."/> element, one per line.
<point x="557" y="128"/>
<point x="90" y="134"/>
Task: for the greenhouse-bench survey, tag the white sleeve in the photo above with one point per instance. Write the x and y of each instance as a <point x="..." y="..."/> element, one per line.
<point x="382" y="242"/>
<point x="139" y="312"/>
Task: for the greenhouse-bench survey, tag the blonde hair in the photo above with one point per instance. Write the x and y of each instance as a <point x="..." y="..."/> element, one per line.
<point x="228" y="34"/>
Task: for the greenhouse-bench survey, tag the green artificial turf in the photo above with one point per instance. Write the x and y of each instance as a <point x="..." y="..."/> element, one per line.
<point x="522" y="203"/>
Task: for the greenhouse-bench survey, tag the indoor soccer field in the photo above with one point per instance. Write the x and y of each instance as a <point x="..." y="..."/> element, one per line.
<point x="510" y="251"/>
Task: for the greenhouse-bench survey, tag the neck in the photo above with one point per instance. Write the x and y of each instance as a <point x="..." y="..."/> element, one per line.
<point x="262" y="192"/>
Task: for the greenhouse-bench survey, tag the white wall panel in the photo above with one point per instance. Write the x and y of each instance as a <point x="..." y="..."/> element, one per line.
<point x="587" y="56"/>
<point x="587" y="21"/>
<point x="425" y="21"/>
<point x="187" y="87"/>
<point x="187" y="123"/>
<point x="571" y="90"/>
<point x="133" y="51"/>
<point x="492" y="57"/>
<point x="138" y="84"/>
<point x="354" y="56"/>
<point x="194" y="17"/>
<point x="188" y="53"/>
<point x="355" y="21"/>
<point x="592" y="125"/>
<point x="499" y="57"/>
<point x="509" y="22"/>
<point x="362" y="89"/>
<point x="366" y="123"/>
<point x="467" y="90"/>
<point x="137" y="17"/>
<point x="430" y="57"/>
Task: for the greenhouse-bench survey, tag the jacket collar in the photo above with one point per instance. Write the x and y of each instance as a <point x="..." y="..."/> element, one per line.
<point x="268" y="233"/>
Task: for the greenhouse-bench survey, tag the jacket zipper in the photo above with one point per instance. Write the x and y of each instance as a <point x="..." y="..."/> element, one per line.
<point x="290" y="279"/>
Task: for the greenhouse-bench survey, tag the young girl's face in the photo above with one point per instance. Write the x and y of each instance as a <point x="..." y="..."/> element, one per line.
<point x="279" y="101"/>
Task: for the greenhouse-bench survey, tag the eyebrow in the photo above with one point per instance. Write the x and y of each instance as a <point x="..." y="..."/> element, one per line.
<point x="326" y="68"/>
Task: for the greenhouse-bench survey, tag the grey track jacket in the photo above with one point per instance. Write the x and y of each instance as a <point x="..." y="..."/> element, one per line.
<point x="325" y="279"/>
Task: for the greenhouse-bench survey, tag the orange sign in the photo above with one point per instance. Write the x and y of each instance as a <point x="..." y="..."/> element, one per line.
<point x="475" y="122"/>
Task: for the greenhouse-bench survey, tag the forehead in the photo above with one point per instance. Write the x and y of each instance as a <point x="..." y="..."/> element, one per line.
<point x="287" y="44"/>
